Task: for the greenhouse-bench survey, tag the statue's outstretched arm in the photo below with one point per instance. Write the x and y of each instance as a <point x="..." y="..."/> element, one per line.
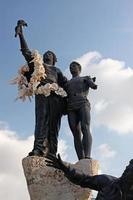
<point x="93" y="182"/>
<point x="24" y="47"/>
<point x="91" y="82"/>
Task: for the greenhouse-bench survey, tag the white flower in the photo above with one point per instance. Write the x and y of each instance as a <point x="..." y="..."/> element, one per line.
<point x="23" y="69"/>
<point x="61" y="92"/>
<point x="43" y="90"/>
<point x="35" y="86"/>
<point x="54" y="86"/>
<point x="47" y="86"/>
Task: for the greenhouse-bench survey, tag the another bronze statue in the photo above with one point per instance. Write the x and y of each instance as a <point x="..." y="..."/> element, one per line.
<point x="78" y="108"/>
<point x="48" y="97"/>
<point x="108" y="187"/>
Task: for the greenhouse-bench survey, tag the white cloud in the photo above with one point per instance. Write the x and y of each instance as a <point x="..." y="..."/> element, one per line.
<point x="105" y="151"/>
<point x="105" y="154"/>
<point x="101" y="105"/>
<point x="62" y="149"/>
<point x="88" y="58"/>
<point x="12" y="150"/>
<point x="112" y="103"/>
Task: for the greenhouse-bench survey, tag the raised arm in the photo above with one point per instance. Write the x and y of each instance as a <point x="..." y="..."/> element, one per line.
<point x="24" y="47"/>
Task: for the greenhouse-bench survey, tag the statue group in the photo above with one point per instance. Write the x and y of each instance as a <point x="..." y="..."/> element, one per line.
<point x="49" y="108"/>
<point x="55" y="95"/>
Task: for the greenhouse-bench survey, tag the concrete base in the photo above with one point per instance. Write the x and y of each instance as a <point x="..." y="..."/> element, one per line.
<point x="46" y="183"/>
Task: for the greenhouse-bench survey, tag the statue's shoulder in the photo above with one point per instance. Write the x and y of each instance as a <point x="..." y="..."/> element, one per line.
<point x="56" y="68"/>
<point x="87" y="77"/>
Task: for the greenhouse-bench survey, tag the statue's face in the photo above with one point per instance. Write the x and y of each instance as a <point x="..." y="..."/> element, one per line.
<point x="74" y="69"/>
<point x="48" y="57"/>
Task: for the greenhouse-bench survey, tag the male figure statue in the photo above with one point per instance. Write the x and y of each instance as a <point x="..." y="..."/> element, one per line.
<point x="48" y="110"/>
<point x="78" y="108"/>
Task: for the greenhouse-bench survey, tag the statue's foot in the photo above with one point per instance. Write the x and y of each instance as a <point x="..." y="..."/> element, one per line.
<point x="36" y="153"/>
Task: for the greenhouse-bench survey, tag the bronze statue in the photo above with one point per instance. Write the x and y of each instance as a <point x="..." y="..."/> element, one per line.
<point x="108" y="187"/>
<point x="48" y="109"/>
<point x="78" y="108"/>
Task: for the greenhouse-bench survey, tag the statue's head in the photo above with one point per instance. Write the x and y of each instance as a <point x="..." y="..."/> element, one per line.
<point x="127" y="176"/>
<point x="75" y="68"/>
<point x="49" y="57"/>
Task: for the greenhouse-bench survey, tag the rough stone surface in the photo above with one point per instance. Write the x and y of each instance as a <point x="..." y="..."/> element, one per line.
<point x="46" y="183"/>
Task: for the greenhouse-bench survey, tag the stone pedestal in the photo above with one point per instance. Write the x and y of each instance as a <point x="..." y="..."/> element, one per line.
<point x="46" y="183"/>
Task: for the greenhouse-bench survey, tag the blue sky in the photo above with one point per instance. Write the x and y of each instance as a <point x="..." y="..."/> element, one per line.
<point x="72" y="29"/>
